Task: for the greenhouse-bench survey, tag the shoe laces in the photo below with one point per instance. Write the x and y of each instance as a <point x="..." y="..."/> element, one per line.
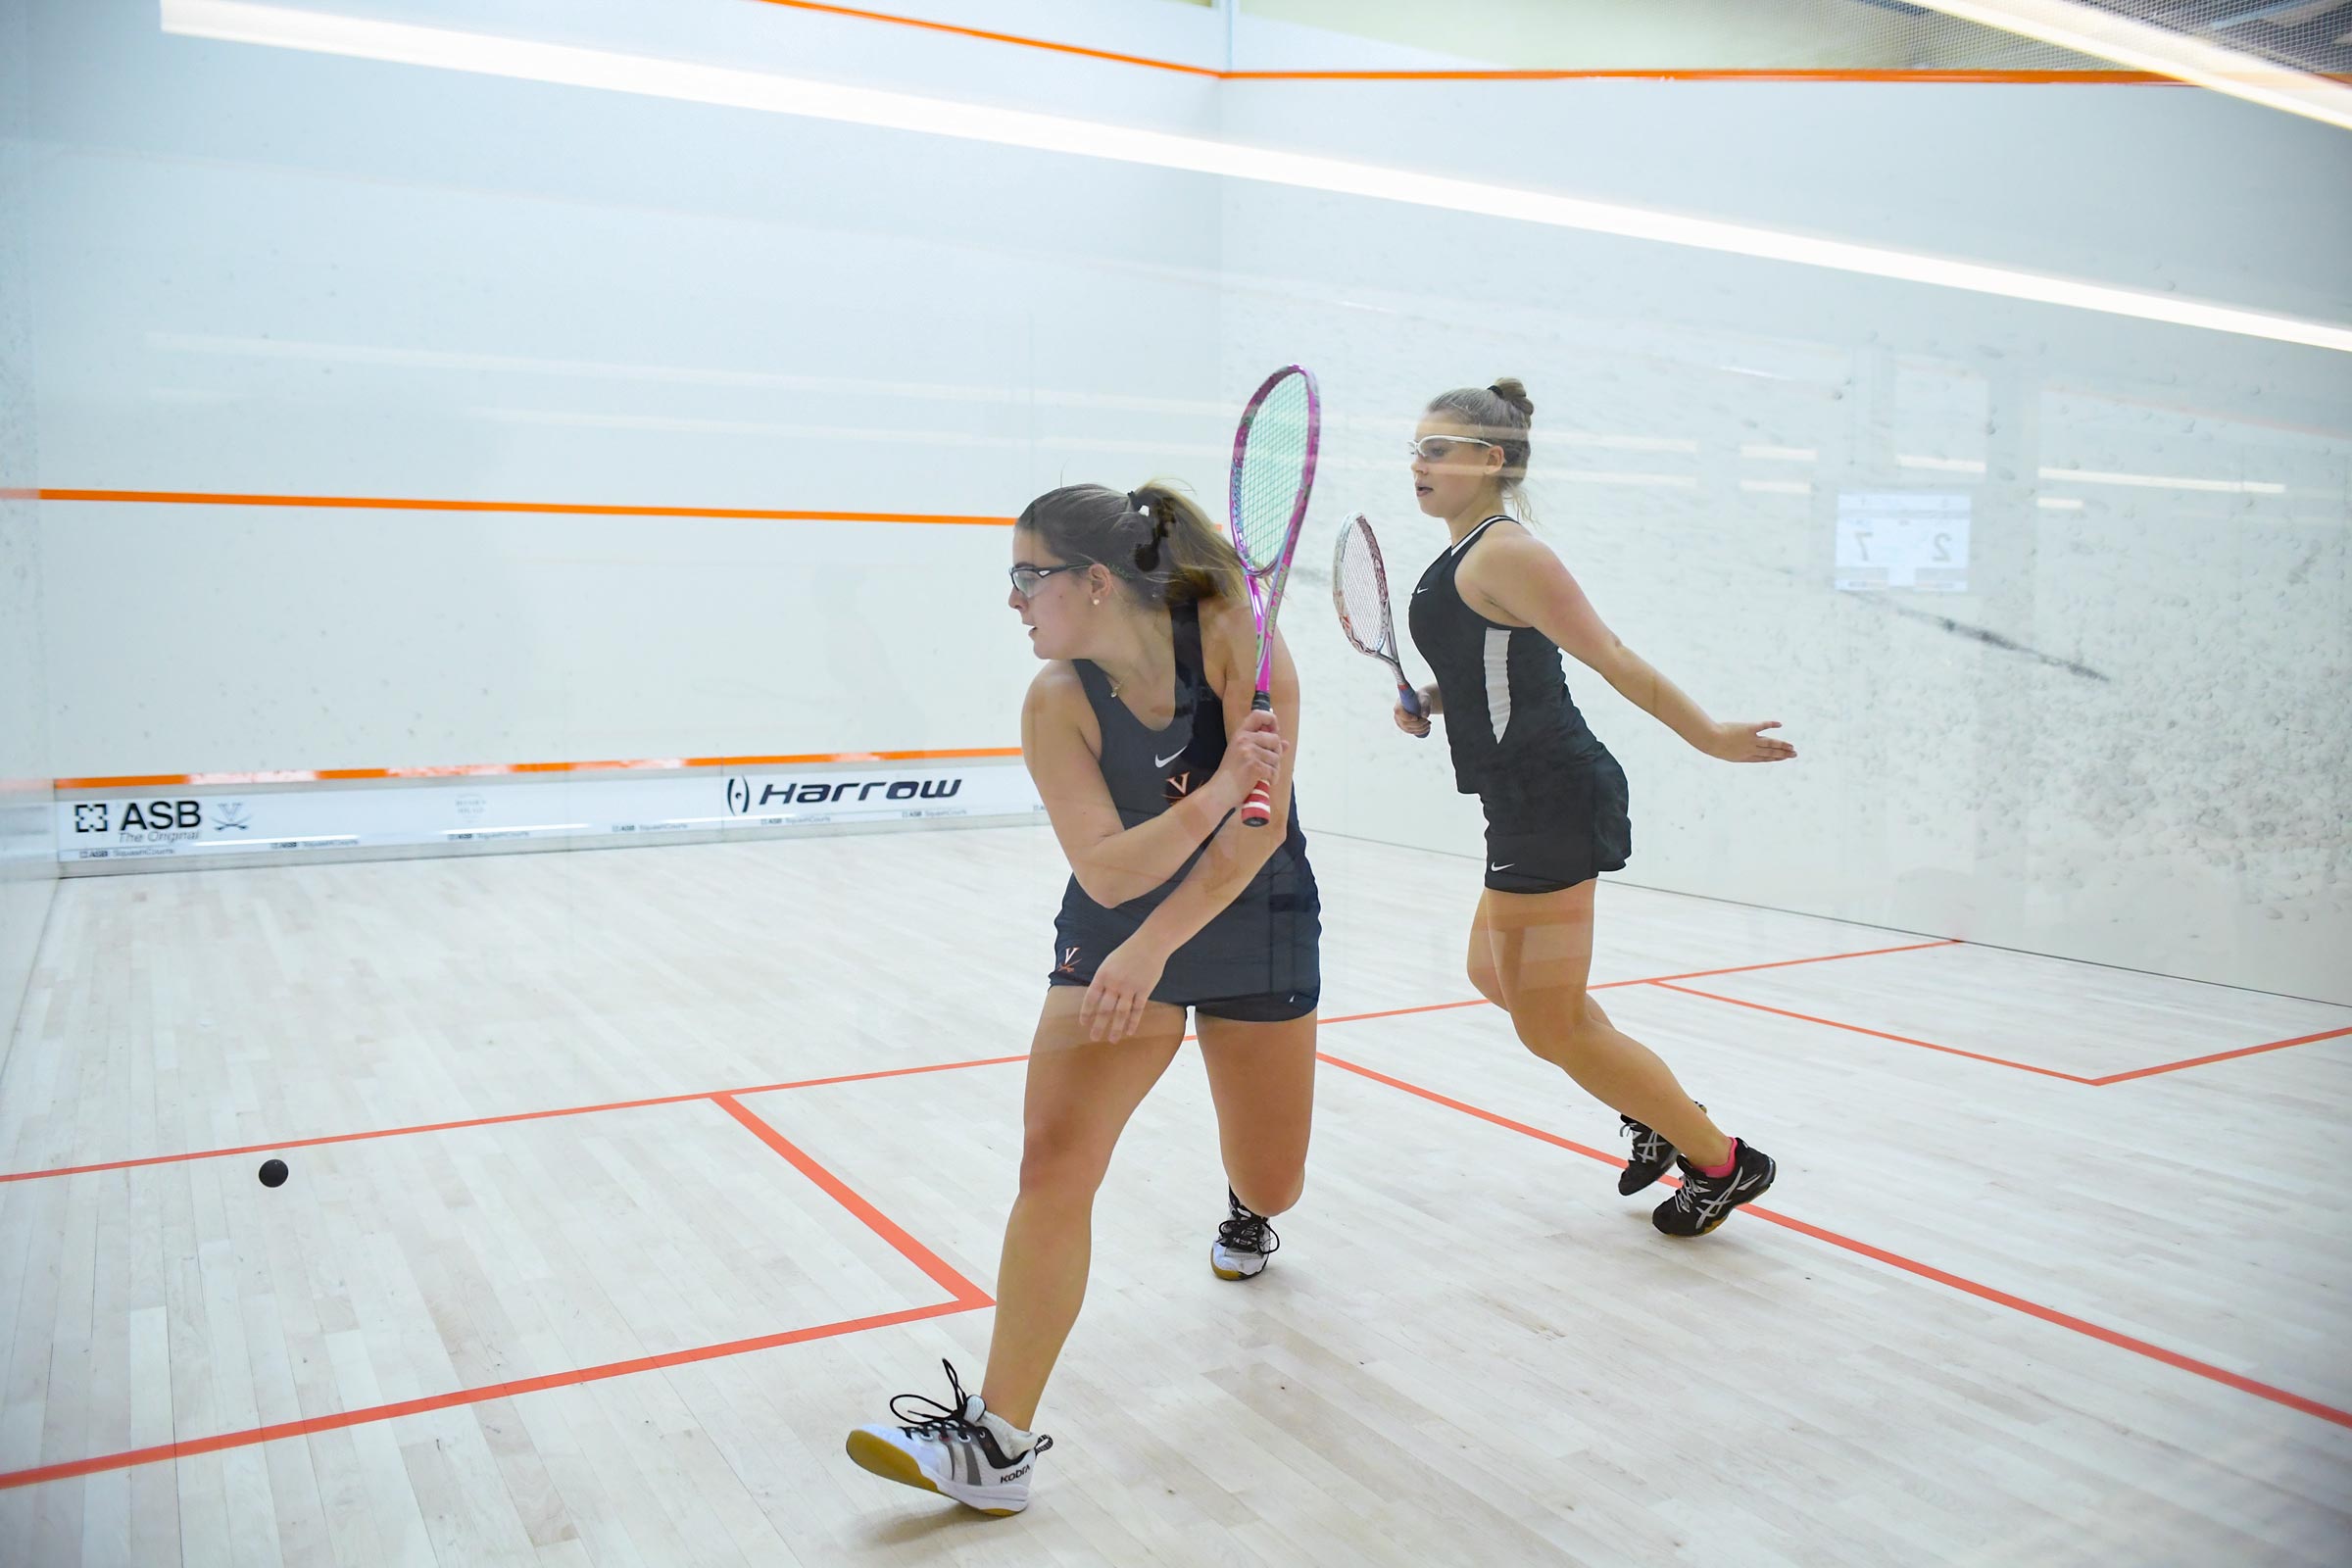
<point x="1247" y="1232"/>
<point x="1649" y="1148"/>
<point x="1708" y="1195"/>
<point x="926" y="1417"/>
<point x="922" y="1416"/>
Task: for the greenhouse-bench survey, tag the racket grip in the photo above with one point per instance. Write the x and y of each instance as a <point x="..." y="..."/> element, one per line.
<point x="1259" y="809"/>
<point x="1411" y="700"/>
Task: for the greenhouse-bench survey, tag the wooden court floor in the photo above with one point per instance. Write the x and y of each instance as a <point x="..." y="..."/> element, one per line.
<point x="623" y="1183"/>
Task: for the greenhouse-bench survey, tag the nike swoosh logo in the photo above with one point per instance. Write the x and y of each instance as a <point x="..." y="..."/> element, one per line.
<point x="1418" y="592"/>
<point x="1505" y="866"/>
<point x="1162" y="762"/>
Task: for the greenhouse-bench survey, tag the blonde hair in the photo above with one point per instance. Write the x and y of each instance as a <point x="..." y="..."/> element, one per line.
<point x="1500" y="414"/>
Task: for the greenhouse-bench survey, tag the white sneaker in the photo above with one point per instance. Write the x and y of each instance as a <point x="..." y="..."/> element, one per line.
<point x="954" y="1451"/>
<point x="1244" y="1243"/>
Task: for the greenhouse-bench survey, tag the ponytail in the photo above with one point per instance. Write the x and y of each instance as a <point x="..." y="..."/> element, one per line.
<point x="1153" y="538"/>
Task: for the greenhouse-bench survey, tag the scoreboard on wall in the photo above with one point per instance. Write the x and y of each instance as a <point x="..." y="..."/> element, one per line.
<point x="1902" y="539"/>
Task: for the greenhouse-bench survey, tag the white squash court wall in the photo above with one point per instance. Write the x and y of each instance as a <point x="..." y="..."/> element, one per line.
<point x="27" y="851"/>
<point x="264" y="273"/>
<point x="2158" y="771"/>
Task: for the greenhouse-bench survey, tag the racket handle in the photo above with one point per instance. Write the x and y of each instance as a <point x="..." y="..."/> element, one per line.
<point x="1258" y="809"/>
<point x="1411" y="700"/>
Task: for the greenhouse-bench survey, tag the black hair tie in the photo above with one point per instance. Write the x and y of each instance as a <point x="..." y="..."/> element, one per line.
<point x="1147" y="553"/>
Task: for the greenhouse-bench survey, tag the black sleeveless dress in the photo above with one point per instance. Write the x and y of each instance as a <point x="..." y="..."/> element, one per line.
<point x="1555" y="799"/>
<point x="1258" y="959"/>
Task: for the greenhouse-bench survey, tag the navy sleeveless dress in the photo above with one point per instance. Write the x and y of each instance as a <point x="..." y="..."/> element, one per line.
<point x="1554" y="798"/>
<point x="1259" y="959"/>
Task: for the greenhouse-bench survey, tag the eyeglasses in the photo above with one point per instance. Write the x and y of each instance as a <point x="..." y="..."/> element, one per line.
<point x="1028" y="579"/>
<point x="1437" y="448"/>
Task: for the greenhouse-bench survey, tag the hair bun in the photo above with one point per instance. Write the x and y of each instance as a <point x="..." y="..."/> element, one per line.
<point x="1514" y="391"/>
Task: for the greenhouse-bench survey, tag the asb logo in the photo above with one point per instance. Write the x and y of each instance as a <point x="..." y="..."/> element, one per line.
<point x="159" y="815"/>
<point x="143" y="816"/>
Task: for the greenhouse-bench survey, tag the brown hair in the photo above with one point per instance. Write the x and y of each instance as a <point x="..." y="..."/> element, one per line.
<point x="1152" y="538"/>
<point x="1499" y="413"/>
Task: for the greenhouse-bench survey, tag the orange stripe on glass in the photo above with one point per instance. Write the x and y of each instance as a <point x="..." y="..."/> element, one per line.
<point x="579" y="509"/>
<point x="1613" y="74"/>
<point x="331" y="775"/>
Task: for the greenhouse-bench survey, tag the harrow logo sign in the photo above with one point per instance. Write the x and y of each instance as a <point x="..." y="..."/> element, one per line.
<point x="749" y="796"/>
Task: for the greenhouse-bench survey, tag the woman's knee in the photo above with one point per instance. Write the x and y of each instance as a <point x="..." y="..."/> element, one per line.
<point x="1562" y="1030"/>
<point x="1062" y="1161"/>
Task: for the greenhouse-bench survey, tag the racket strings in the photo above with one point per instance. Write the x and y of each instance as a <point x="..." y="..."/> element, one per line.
<point x="1363" y="596"/>
<point x="1272" y="471"/>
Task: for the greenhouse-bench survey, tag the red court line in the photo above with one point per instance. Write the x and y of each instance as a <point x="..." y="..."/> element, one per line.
<point x="2221" y="1055"/>
<point x="956" y="1284"/>
<point x="1659" y="74"/>
<point x="1925" y="1271"/>
<point x="1880" y="1034"/>
<point x="965" y="1297"/>
<point x="1796" y="73"/>
<point x="1046" y="44"/>
<point x="492" y="1121"/>
<point x="1402" y="1013"/>
<point x="215" y="498"/>
<point x="804" y="1082"/>
<point x="1974" y="1055"/>
<point x="190" y="1446"/>
<point x="1784" y="963"/>
<point x="1662" y="982"/>
<point x="1696" y="974"/>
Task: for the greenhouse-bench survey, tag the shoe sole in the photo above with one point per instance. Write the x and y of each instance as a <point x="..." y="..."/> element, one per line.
<point x="1231" y="1274"/>
<point x="894" y="1463"/>
<point x="1730" y="1209"/>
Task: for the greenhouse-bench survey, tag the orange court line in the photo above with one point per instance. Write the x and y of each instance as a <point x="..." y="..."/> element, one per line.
<point x="1784" y="963"/>
<point x="1997" y="1061"/>
<point x="1794" y="74"/>
<point x="1638" y="74"/>
<point x="965" y="1297"/>
<point x="968" y="1296"/>
<point x="2221" y="1055"/>
<point x="188" y="1448"/>
<point x="1661" y="982"/>
<point x="987" y="36"/>
<point x="213" y="498"/>
<point x="914" y="1251"/>
<point x="1880" y="1034"/>
<point x="1925" y="1271"/>
<point x="502" y="769"/>
<point x="753" y="1089"/>
<point x="1613" y="985"/>
<point x="511" y="1116"/>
